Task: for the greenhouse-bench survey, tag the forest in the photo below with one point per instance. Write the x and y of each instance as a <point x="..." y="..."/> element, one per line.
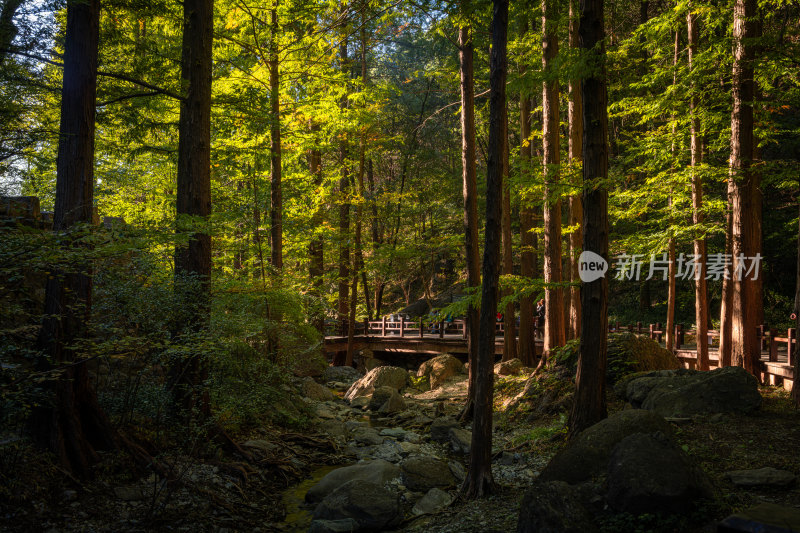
<point x="411" y="265"/>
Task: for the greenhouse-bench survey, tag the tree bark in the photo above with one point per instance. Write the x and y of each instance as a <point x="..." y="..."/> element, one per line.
<point x="344" y="217"/>
<point x="726" y="303"/>
<point x="575" y="119"/>
<point x="746" y="198"/>
<point x="7" y="29"/>
<point x="527" y="346"/>
<point x="194" y="194"/>
<point x="671" y="281"/>
<point x="509" y="321"/>
<point x="276" y="192"/>
<point x="316" y="266"/>
<point x="589" y="405"/>
<point x="796" y="311"/>
<point x="479" y="481"/>
<point x="701" y="293"/>
<point x="74" y="426"/>
<point x="470" y="198"/>
<point x="554" y="334"/>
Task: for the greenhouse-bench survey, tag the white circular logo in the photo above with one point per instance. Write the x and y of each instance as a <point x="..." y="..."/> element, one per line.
<point x="591" y="266"/>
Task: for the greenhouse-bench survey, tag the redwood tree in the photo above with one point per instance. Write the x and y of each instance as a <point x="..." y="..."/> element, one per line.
<point x="589" y="405"/>
<point x="74" y="426"/>
<point x="575" y="120"/>
<point x="479" y="481"/>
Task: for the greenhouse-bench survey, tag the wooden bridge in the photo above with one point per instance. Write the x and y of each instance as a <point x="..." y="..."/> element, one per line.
<point x="776" y="367"/>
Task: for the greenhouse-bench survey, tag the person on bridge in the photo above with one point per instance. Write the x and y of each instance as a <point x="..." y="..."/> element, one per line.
<point x="540" y="319"/>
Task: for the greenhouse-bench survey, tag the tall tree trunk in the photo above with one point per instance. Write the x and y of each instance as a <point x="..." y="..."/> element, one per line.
<point x="509" y="321"/>
<point x="7" y="29"/>
<point x="575" y="119"/>
<point x="479" y="481"/>
<point x="527" y="346"/>
<point x="700" y="292"/>
<point x="671" y="281"/>
<point x="796" y="313"/>
<point x="74" y="426"/>
<point x="362" y="164"/>
<point x="470" y="196"/>
<point x="726" y="303"/>
<point x="553" y="297"/>
<point x="194" y="193"/>
<point x="746" y="201"/>
<point x="276" y="194"/>
<point x="589" y="405"/>
<point x="316" y="266"/>
<point x="344" y="217"/>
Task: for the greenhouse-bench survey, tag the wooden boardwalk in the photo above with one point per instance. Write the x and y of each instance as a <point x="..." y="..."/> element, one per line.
<point x="410" y="336"/>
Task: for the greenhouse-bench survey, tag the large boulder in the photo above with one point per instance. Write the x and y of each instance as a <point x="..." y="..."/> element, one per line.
<point x="681" y="393"/>
<point x="440" y="368"/>
<point x="377" y="471"/>
<point x="425" y="473"/>
<point x="508" y="368"/>
<point x="440" y="428"/>
<point x="761" y="477"/>
<point x="383" y="376"/>
<point x="342" y="374"/>
<point x="554" y="507"/>
<point x="588" y="453"/>
<point x="433" y="501"/>
<point x="369" y="504"/>
<point x="314" y="391"/>
<point x="386" y="400"/>
<point x="648" y="473"/>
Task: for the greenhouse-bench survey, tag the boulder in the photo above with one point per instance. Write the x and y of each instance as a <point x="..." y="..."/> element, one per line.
<point x="394" y="404"/>
<point x="766" y="517"/>
<point x="433" y="501"/>
<point x="588" y="453"/>
<point x="377" y="471"/>
<point x="397" y="433"/>
<point x="648" y="473"/>
<point x="425" y="473"/>
<point x="344" y="374"/>
<point x="765" y="477"/>
<point x="440" y="368"/>
<point x="440" y="429"/>
<point x="383" y="376"/>
<point x="314" y="391"/>
<point x="460" y="440"/>
<point x="386" y="400"/>
<point x="367" y="436"/>
<point x="681" y="393"/>
<point x="346" y="525"/>
<point x="508" y="368"/>
<point x="372" y="506"/>
<point x="334" y="428"/>
<point x="554" y="507"/>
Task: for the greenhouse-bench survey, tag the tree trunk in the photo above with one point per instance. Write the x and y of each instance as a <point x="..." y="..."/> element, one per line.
<point x="746" y="200"/>
<point x="527" y="346"/>
<point x="589" y="405"/>
<point x="470" y="196"/>
<point x="575" y="119"/>
<point x="7" y="29"/>
<point x="344" y="218"/>
<point x="479" y="481"/>
<point x="74" y="426"/>
<point x="276" y="200"/>
<point x="553" y="297"/>
<point x="193" y="262"/>
<point x="316" y="266"/>
<point x="795" y="386"/>
<point x="726" y="303"/>
<point x="701" y="294"/>
<point x="509" y="321"/>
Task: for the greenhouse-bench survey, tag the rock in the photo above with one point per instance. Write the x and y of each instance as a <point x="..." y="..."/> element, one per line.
<point x="263" y="447"/>
<point x="651" y="474"/>
<point x="440" y="429"/>
<point x="554" y="507"/>
<point x="388" y="376"/>
<point x="360" y="402"/>
<point x="367" y="435"/>
<point x="508" y="368"/>
<point x="314" y="391"/>
<point x="766" y="517"/>
<point x="334" y="428"/>
<point x="390" y="450"/>
<point x="767" y="476"/>
<point x="425" y="473"/>
<point x="373" y="507"/>
<point x="379" y="397"/>
<point x="680" y="393"/>
<point x="370" y="364"/>
<point x="412" y="437"/>
<point x="407" y="448"/>
<point x="588" y="453"/>
<point x="395" y="404"/>
<point x="506" y="459"/>
<point x="460" y="440"/>
<point x="324" y="412"/>
<point x="458" y="470"/>
<point x="440" y="368"/>
<point x="433" y="501"/>
<point x="377" y="471"/>
<point x="129" y="494"/>
<point x="345" y="374"/>
<point x="397" y="433"/>
<point x="345" y="525"/>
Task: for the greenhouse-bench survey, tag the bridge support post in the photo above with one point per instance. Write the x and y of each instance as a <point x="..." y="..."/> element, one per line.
<point x="652" y="331"/>
<point x="762" y="329"/>
<point x="638" y="327"/>
<point x="383" y="327"/>
<point x="790" y="348"/>
<point x="402" y="326"/>
<point x="773" y="346"/>
<point x="678" y="336"/>
<point x="441" y="329"/>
